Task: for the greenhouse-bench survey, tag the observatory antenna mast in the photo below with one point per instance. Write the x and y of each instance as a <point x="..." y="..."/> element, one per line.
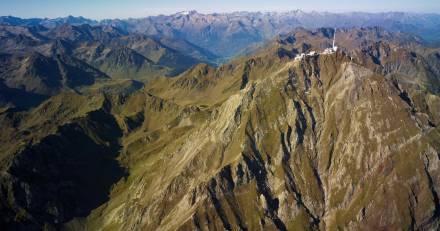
<point x="335" y="48"/>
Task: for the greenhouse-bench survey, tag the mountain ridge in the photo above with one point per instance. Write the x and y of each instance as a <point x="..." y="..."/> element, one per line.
<point x="246" y="28"/>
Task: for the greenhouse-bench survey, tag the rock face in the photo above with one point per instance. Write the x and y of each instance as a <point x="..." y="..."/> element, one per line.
<point x="266" y="142"/>
<point x="310" y="146"/>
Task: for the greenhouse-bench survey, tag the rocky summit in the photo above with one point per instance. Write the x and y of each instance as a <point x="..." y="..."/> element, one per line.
<point x="129" y="131"/>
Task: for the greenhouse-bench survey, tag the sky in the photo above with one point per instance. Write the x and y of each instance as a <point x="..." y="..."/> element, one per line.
<point x="100" y="9"/>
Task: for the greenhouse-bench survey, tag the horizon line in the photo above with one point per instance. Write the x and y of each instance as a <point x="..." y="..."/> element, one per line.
<point x="225" y="13"/>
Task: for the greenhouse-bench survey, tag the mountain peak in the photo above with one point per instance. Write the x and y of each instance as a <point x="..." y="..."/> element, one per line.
<point x="191" y="12"/>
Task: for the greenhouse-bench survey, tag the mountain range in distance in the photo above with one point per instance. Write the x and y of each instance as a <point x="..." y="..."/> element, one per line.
<point x="224" y="121"/>
<point x="226" y="34"/>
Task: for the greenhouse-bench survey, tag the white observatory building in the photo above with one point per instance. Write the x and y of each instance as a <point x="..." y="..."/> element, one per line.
<point x="334" y="48"/>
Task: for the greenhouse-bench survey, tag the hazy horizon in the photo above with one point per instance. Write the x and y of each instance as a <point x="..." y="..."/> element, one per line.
<point x="221" y="12"/>
<point x="111" y="9"/>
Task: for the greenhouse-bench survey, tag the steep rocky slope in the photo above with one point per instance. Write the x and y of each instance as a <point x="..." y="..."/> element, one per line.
<point x="324" y="144"/>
